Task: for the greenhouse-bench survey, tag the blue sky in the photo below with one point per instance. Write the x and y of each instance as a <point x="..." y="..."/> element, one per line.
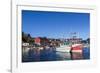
<point x="55" y="24"/>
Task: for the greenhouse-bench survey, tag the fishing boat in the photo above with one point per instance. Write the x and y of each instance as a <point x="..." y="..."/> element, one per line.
<point x="64" y="49"/>
<point x="77" y="48"/>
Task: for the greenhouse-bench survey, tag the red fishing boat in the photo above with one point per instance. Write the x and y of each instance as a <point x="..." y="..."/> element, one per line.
<point x="76" y="50"/>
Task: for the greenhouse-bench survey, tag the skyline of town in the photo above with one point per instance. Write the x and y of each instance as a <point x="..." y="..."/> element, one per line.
<point x="55" y="24"/>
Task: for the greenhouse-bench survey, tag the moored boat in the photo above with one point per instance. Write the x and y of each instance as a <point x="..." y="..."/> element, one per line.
<point x="76" y="48"/>
<point x="76" y="51"/>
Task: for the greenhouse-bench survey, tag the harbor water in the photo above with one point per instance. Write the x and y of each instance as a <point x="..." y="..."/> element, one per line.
<point x="52" y="55"/>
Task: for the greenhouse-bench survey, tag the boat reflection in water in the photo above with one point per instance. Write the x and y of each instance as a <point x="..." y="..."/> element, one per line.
<point x="53" y="54"/>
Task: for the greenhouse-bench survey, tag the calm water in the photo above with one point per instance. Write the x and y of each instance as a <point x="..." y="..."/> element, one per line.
<point x="53" y="55"/>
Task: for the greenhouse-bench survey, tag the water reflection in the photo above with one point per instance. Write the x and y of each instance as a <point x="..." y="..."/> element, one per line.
<point x="50" y="54"/>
